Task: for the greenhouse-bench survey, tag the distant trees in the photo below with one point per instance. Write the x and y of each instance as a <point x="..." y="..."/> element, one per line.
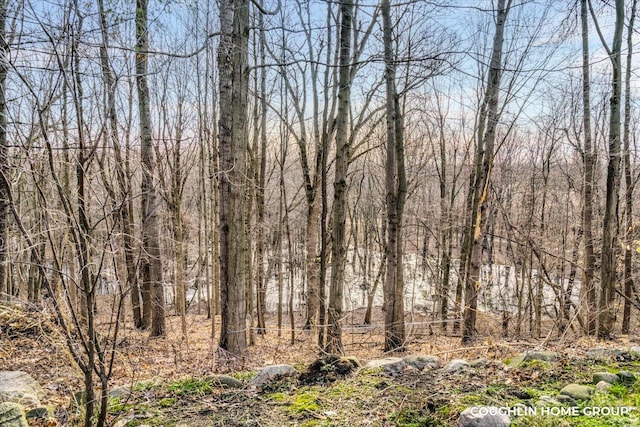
<point x="311" y="159"/>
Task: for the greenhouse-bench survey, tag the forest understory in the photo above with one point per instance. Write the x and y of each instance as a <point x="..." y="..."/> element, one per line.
<point x="168" y="381"/>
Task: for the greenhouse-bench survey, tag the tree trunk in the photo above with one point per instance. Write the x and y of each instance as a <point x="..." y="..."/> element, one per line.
<point x="150" y="263"/>
<point x="589" y="160"/>
<point x="488" y="119"/>
<point x="338" y="232"/>
<point x="395" y="184"/>
<point x="628" y="181"/>
<point x="606" y="314"/>
<point x="234" y="83"/>
<point x="4" y="149"/>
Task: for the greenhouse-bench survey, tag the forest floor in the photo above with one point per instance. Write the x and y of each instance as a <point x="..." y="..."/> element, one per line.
<point x="169" y="378"/>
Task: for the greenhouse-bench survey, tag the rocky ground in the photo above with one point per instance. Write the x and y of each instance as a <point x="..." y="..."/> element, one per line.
<point x="568" y="384"/>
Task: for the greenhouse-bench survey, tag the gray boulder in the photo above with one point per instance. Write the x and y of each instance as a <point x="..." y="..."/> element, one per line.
<point x="390" y="365"/>
<point x="12" y="415"/>
<point x="479" y="363"/>
<point x="578" y="391"/>
<point x="545" y="401"/>
<point x="456" y="365"/>
<point x="422" y="362"/>
<point x="604" y="353"/>
<point x="20" y="387"/>
<point x="606" y="377"/>
<point x="566" y="400"/>
<point x="273" y="373"/>
<point x="483" y="416"/>
<point x="627" y="377"/>
<point x="603" y="386"/>
<point x="225" y="381"/>
<point x="545" y="356"/>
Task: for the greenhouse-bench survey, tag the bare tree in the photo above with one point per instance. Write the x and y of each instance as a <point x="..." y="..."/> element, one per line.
<point x="610" y="225"/>
<point x="483" y="164"/>
<point x="232" y="143"/>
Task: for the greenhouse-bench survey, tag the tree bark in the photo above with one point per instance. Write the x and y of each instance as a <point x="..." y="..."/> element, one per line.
<point x="234" y="82"/>
<point x="486" y="135"/>
<point x="151" y="263"/>
<point x="606" y="314"/>
<point x="338" y="233"/>
<point x="628" y="181"/>
<point x="395" y="184"/>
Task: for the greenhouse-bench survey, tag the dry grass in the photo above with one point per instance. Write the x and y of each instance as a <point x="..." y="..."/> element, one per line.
<point x="29" y="341"/>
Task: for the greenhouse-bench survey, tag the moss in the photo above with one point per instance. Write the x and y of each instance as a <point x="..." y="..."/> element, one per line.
<point x="190" y="387"/>
<point x="413" y="418"/>
<point x="244" y="376"/>
<point x="305" y="401"/>
<point x="167" y="402"/>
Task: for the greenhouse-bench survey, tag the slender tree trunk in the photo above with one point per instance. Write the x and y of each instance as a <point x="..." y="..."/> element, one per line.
<point x="589" y="159"/>
<point x="628" y="181"/>
<point x="125" y="214"/>
<point x="151" y="263"/>
<point x="4" y="148"/>
<point x="338" y="233"/>
<point x="234" y="82"/>
<point x="395" y="184"/>
<point x="483" y="165"/>
<point x="606" y="314"/>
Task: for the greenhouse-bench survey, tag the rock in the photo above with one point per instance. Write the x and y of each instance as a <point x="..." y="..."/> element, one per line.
<point x="635" y="351"/>
<point x="514" y="362"/>
<point x="566" y="400"/>
<point x="19" y="387"/>
<point x="606" y="377"/>
<point x="604" y="353"/>
<point x="544" y="401"/>
<point x="328" y="369"/>
<point x="545" y="356"/>
<point x="121" y="392"/>
<point x="483" y="416"/>
<point x="225" y="380"/>
<point x="603" y="386"/>
<point x="456" y="365"/>
<point x="390" y="365"/>
<point x="479" y="363"/>
<point x="354" y="361"/>
<point x="578" y="391"/>
<point x="41" y="412"/>
<point x="272" y="373"/>
<point x="12" y="415"/>
<point x="422" y="362"/>
<point x="627" y="377"/>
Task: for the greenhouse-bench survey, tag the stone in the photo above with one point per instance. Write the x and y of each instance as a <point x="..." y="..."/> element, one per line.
<point x="422" y="362"/>
<point x="603" y="386"/>
<point x="566" y="400"/>
<point x="483" y="416"/>
<point x="20" y="387"/>
<point x="41" y="412"/>
<point x="273" y="373"/>
<point x="578" y="391"/>
<point x="606" y="377"/>
<point x="545" y="356"/>
<point x="514" y="362"/>
<point x="627" y="377"/>
<point x="604" y="353"/>
<point x="635" y="351"/>
<point x="121" y="392"/>
<point x="12" y="415"/>
<point x="225" y="380"/>
<point x="479" y="363"/>
<point x="544" y="401"/>
<point x="456" y="365"/>
<point x="390" y="365"/>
